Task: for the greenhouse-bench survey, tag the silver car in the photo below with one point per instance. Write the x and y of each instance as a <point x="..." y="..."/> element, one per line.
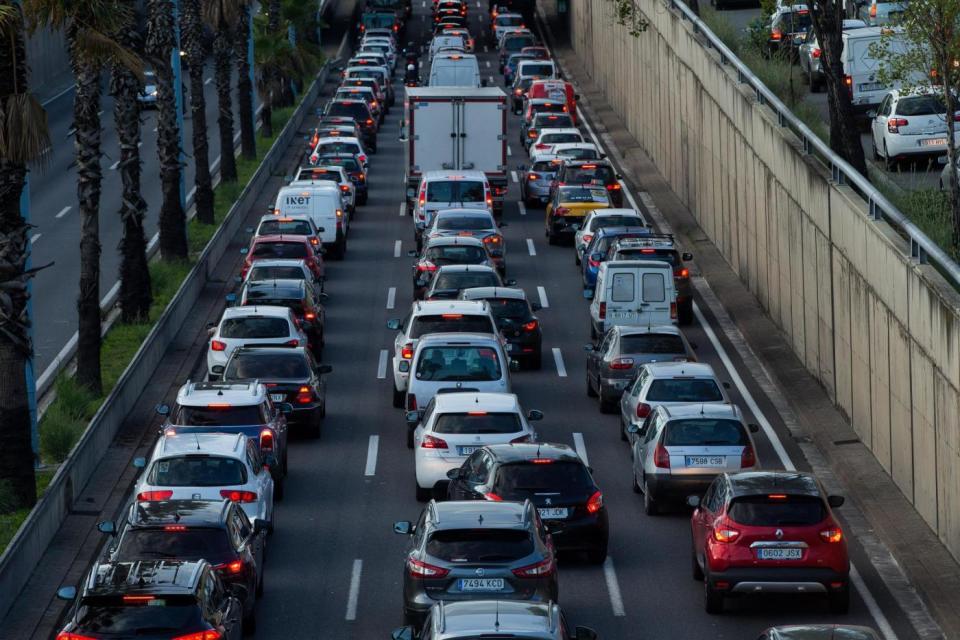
<point x="681" y="449"/>
<point x="536" y="181"/>
<point x="809" y="54"/>
<point x="495" y="618"/>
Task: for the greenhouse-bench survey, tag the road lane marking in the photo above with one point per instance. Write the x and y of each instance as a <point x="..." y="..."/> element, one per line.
<point x="488" y="64"/>
<point x="354" y="594"/>
<point x="509" y="151"/>
<point x="139" y="144"/>
<point x="191" y="193"/>
<point x="391" y="297"/>
<point x="372" y="446"/>
<point x="403" y="209"/>
<point x="382" y="365"/>
<point x="558" y="359"/>
<point x="544" y="303"/>
<point x="613" y="588"/>
<point x="581" y="448"/>
<point x="114" y="166"/>
<point x="871" y="603"/>
<point x="213" y="165"/>
<point x="522" y="207"/>
<point x="513" y="176"/>
<point x="530" y="247"/>
<point x="396" y="248"/>
<point x="35" y="238"/>
<point x="491" y="80"/>
<point x="486" y="49"/>
<point x="63" y="212"/>
<point x="208" y="80"/>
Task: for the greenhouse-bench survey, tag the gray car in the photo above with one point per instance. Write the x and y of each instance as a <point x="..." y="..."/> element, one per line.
<point x="611" y="365"/>
<point x="536" y="181"/>
<point x="819" y="632"/>
<point x="495" y="618"/>
<point x="475" y="550"/>
<point x="809" y="54"/>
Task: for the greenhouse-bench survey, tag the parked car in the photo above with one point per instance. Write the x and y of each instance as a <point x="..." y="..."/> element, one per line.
<point x="809" y="54"/>
<point x="910" y="125"/>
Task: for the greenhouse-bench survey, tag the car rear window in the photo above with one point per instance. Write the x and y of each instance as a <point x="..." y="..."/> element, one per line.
<point x="921" y="106"/>
<point x="545" y="166"/>
<point x="797" y="21"/>
<point x="509" y="308"/>
<point x="273" y="273"/>
<point x="544" y="69"/>
<point x="455" y="191"/>
<point x="577" y="194"/>
<point x="617" y="221"/>
<point x="555" y="476"/>
<point x="549" y="107"/>
<point x="218" y="416"/>
<point x="290" y="227"/>
<point x="255" y="328"/>
<point x="450" y="323"/>
<point x="704" y="432"/>
<point x="466" y="363"/>
<point x="552" y="120"/>
<point x="466" y="280"/>
<point x="197" y="471"/>
<point x="656" y="343"/>
<point x="339" y="147"/>
<point x="164" y="614"/>
<point x="777" y="510"/>
<point x="271" y="299"/>
<point x="267" y="365"/>
<point x="455" y="254"/>
<point x="477" y="422"/>
<point x="648" y="254"/>
<point x="579" y="154"/>
<point x="515" y="43"/>
<point x="558" y="138"/>
<point x="479" y="545"/>
<point x="350" y="164"/>
<point x="464" y="223"/>
<point x="590" y="174"/>
<point x="356" y="110"/>
<point x="684" y="390"/>
<point x="183" y="544"/>
<point x="509" y="21"/>
<point x="280" y="250"/>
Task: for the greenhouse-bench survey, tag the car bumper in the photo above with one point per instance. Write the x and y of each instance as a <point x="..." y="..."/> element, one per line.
<point x="523" y="346"/>
<point x="432" y="470"/>
<point x="304" y="415"/>
<point x="766" y="580"/>
<point x="563" y="226"/>
<point x="418" y="600"/>
<point x="678" y="487"/>
<point x="913" y="146"/>
<point x="536" y="190"/>
<point x="582" y="534"/>
<point x="400" y="379"/>
<point x="613" y="387"/>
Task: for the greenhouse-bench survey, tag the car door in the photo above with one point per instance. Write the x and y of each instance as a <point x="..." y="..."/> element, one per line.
<point x="628" y="401"/>
<point x="229" y="610"/>
<point x="596" y="358"/>
<point x="701" y="515"/>
<point x="878" y="125"/>
<point x="656" y="296"/>
<point x="654" y="424"/>
<point x="262" y="481"/>
<point x="623" y="305"/>
<point x="253" y="541"/>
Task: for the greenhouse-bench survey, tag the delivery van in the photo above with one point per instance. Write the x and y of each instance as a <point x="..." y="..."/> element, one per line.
<point x="322" y="201"/>
<point x="633" y="293"/>
<point x="454" y="70"/>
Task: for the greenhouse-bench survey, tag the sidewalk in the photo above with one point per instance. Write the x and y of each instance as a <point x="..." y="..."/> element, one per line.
<point x="881" y="517"/>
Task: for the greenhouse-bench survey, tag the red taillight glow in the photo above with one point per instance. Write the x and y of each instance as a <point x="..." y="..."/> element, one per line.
<point x="661" y="457"/>
<point x="815" y="53"/>
<point x="775" y="34"/>
<point x="532" y="134"/>
<point x="748" y="458"/>
<point x="411" y="402"/>
<point x="292" y="343"/>
<point x="231" y="567"/>
<point x="643" y="410"/>
<point x="559" y="211"/>
<point x="63" y="635"/>
<point x="424" y="266"/>
<point x="150" y="496"/>
<point x="530" y="326"/>
<point x="407" y="351"/>
<point x="723" y="533"/>
<point x="431" y="442"/>
<point x="622" y="363"/>
<point x="492" y="497"/>
<point x="541" y="569"/>
<point x="894" y="124"/>
<point x="304" y="395"/>
<point x="175" y="527"/>
<point x="595" y="503"/>
<point x="542" y="461"/>
<point x="419" y="569"/>
<point x="266" y="440"/>
<point x="216" y="345"/>
<point x="137" y="598"/>
<point x="681" y="273"/>
<point x="613" y="187"/>
<point x="533" y="176"/>
<point x="602" y="312"/>
<point x="673" y="310"/>
<point x="832" y="535"/>
<point x="210" y="634"/>
<point x="238" y="496"/>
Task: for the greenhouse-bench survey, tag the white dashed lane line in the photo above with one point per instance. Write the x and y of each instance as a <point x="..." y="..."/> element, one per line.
<point x="208" y="80"/>
<point x="544" y="302"/>
<point x="613" y="588"/>
<point x="558" y="359"/>
<point x="581" y="448"/>
<point x="488" y="64"/>
<point x="114" y="166"/>
<point x="63" y="212"/>
<point x="522" y="207"/>
<point x="382" y="365"/>
<point x="35" y="238"/>
<point x="530" y="247"/>
<point x="372" y="447"/>
<point x="513" y="176"/>
<point x="391" y="297"/>
<point x="354" y="593"/>
<point x="509" y="151"/>
<point x="396" y="248"/>
<point x="403" y="209"/>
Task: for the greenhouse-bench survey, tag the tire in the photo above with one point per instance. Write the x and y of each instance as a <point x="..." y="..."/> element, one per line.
<point x="650" y="506"/>
<point x="685" y="313"/>
<point x="712" y="599"/>
<point x="576" y="257"/>
<point x="623" y="431"/>
<point x="839" y="601"/>
<point x="315" y="428"/>
<point x="397" y="398"/>
<point x="695" y="569"/>
<point x="593" y="332"/>
<point x="423" y="495"/>
<point x="598" y="555"/>
<point x="889" y="164"/>
<point x="590" y="392"/>
<point x="552" y="239"/>
<point x="636" y="485"/>
<point x="260" y="584"/>
<point x="876" y="152"/>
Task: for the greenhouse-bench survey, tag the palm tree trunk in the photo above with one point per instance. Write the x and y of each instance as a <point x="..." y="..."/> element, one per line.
<point x="191" y="28"/>
<point x="135" y="288"/>
<point x="248" y="134"/>
<point x="16" y="452"/>
<point x="161" y="41"/>
<point x="86" y="121"/>
<point x="222" y="55"/>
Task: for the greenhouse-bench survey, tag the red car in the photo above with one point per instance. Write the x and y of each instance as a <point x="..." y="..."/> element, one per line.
<point x="763" y="532"/>
<point x="278" y="247"/>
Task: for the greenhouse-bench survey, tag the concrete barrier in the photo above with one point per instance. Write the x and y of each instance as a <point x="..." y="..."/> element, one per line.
<point x="878" y="329"/>
<point x="27" y="547"/>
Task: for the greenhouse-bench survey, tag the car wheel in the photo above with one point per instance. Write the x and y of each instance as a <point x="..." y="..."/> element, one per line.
<point x="623" y="431"/>
<point x="887" y="161"/>
<point x="590" y="392"/>
<point x="552" y="239"/>
<point x="650" y="506"/>
<point x="260" y="583"/>
<point x="636" y="485"/>
<point x="314" y="432"/>
<point x="397" y="398"/>
<point x="712" y="599"/>
<point x="278" y="489"/>
<point x="876" y="152"/>
<point x="576" y="257"/>
<point x="598" y="555"/>
<point x="695" y="569"/>
<point x="423" y="495"/>
<point x="839" y="601"/>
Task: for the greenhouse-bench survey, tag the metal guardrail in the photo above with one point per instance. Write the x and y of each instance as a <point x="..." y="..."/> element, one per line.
<point x="922" y="248"/>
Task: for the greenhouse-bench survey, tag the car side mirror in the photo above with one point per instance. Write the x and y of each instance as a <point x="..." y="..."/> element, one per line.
<point x="514" y="365"/>
<point x="585" y="633"/>
<point x="270" y="461"/>
<point x="404" y="366"/>
<point x="107" y="527"/>
<point x="754" y="428"/>
<point x="163" y="409"/>
<point x="455" y="473"/>
<point x="511" y="282"/>
<point x="324" y="369"/>
<point x="686" y="256"/>
<point x="835" y="501"/>
<point x="244" y="251"/>
<point x="693" y="501"/>
<point x="403" y="633"/>
<point x="393" y="324"/>
<point x="67" y="593"/>
<point x="403" y="528"/>
<point x="588" y="347"/>
<point x="536" y="306"/>
<point x="534" y="414"/>
<point x="634" y="429"/>
<point x="872" y="113"/>
<point x="412" y="417"/>
<point x="285" y="408"/>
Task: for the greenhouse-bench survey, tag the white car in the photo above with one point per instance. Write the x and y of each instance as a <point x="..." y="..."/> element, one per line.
<point x="449" y="190"/>
<point x="576" y="151"/>
<point x="454" y="425"/>
<point x="599" y="218"/>
<point x="505" y="22"/>
<point x="208" y="466"/>
<point x="453" y="43"/>
<point x="250" y="325"/>
<point x="550" y="137"/>
<point x="282" y="269"/>
<point x="909" y="124"/>
<point x="433" y="316"/>
<point x="344" y="144"/>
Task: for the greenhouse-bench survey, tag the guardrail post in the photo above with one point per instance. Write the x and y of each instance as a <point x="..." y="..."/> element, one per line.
<point x="917" y="253"/>
<point x="807" y="147"/>
<point x="874" y="211"/>
<point x="781" y="118"/>
<point x="761" y="99"/>
<point x="741" y="77"/>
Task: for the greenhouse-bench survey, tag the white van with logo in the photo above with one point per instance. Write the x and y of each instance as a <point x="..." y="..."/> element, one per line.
<point x="633" y="293"/>
<point x="322" y="201"/>
<point x="861" y="66"/>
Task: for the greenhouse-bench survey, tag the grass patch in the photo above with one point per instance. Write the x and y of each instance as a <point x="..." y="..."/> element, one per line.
<point x="722" y="28"/>
<point x="929" y="209"/>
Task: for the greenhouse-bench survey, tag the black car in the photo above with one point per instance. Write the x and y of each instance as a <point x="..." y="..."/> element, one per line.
<point x="443" y="250"/>
<point x="298" y="297"/>
<point x="153" y="599"/>
<point x="358" y="176"/>
<point x="553" y="477"/>
<point x="516" y="321"/>
<point x="291" y="375"/>
<point x="360" y="112"/>
<point x="218" y="532"/>
<point x="592" y="172"/>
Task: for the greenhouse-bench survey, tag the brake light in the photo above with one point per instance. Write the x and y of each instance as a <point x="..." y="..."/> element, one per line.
<point x="492" y="497"/>
<point x="848" y="83"/>
<point x="369" y="122"/>
<point x="541" y="569"/>
<point x="489" y="200"/>
<point x="424" y="266"/>
<point x="150" y="496"/>
<point x="304" y="395"/>
<point x="419" y="569"/>
<point x="314" y="240"/>
<point x="238" y="496"/>
<point x="873" y="10"/>
<point x="266" y="440"/>
<point x="894" y="124"/>
<point x="673" y="310"/>
<point x="530" y="326"/>
<point x="431" y="442"/>
<point x="209" y="634"/>
<point x="542" y="145"/>
<point x="681" y="273"/>
<point x="310" y="316"/>
<point x="231" y="567"/>
<point x="532" y="134"/>
<point x="725" y="534"/>
<point x="643" y="410"/>
<point x="775" y="34"/>
<point x="491" y="240"/>
<point x="411" y="402"/>
<point x="595" y="503"/>
<point x="622" y="363"/>
<point x="344" y="188"/>
<point x="777" y="496"/>
<point x="63" y="635"/>
<point x="216" y="345"/>
<point x="587" y="237"/>
<point x="613" y="187"/>
<point x="832" y="535"/>
<point x="314" y="159"/>
<point x="407" y="351"/>
<point x="175" y="527"/>
<point x="815" y="53"/>
<point x="533" y="176"/>
<point x="747" y="457"/>
<point x="661" y="457"/>
<point x="137" y="598"/>
<point x="423" y="197"/>
<point x="293" y="343"/>
<point x="560" y="211"/>
<point x="603" y="311"/>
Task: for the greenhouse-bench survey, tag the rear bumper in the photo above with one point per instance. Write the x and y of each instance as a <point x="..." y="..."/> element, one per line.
<point x="582" y="534"/>
<point x="303" y="415"/>
<point x="678" y="487"/>
<point x="766" y="580"/>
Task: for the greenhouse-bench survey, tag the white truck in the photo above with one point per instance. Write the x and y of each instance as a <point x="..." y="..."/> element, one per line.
<point x="456" y="129"/>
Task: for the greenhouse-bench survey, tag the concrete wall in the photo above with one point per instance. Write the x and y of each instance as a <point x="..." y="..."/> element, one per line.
<point x="880" y="332"/>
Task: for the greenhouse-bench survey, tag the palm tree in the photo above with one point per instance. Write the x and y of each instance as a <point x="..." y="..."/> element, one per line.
<point x="191" y="34"/>
<point x="87" y="25"/>
<point x="222" y="17"/>
<point x="125" y="87"/>
<point x="241" y="42"/>
<point x="276" y="63"/>
<point x="161" y="42"/>
<point x="23" y="138"/>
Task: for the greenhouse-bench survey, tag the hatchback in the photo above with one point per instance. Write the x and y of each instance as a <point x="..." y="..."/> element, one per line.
<point x="241" y="326"/>
<point x="295" y="295"/>
<point x="530" y="131"/>
<point x="549" y="137"/>
<point x="452" y="279"/>
<point x="909" y="125"/>
<point x="282" y="269"/>
<point x="516" y="321"/>
<point x="339" y="145"/>
<point x="567" y="208"/>
<point x="535" y="184"/>
<point x="355" y="171"/>
<point x="283" y="247"/>
<point x="293" y="225"/>
<point x="361" y="114"/>
<point x="336" y="174"/>
<point x="594" y="173"/>
<point x="445" y="250"/>
<point x="476" y="550"/>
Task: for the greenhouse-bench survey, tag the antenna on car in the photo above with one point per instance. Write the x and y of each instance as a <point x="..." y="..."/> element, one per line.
<point x="701" y="408"/>
<point x="496" y="622"/>
<point x="480" y="518"/>
<point x="197" y="438"/>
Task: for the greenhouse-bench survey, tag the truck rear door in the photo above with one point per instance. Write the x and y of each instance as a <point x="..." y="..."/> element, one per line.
<point x="433" y="134"/>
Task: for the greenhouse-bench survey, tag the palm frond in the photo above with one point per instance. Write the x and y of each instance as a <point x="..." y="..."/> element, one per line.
<point x="24" y="133"/>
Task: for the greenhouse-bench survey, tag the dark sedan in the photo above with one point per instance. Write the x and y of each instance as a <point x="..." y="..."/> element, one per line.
<point x="515" y="319"/>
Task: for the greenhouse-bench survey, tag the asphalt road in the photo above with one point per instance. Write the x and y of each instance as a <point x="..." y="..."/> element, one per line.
<point x="335" y="567"/>
<point x="55" y="211"/>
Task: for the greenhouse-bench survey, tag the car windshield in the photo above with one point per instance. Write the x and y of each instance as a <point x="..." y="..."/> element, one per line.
<point x="515" y="43"/>
<point x="184" y="544"/>
<point x="280" y="250"/>
<point x="590" y="174"/>
<point x="477" y="422"/>
<point x="274" y="227"/>
<point x="466" y="280"/>
<point x="480" y="545"/>
<point x="652" y="343"/>
<point x="272" y="366"/>
<point x="356" y="110"/>
<point x="455" y="191"/>
<point x="459" y="363"/>
<point x="509" y="21"/>
<point x="455" y="254"/>
<point x="197" y="471"/>
<point x="600" y="222"/>
<point x="921" y="106"/>
<point x="548" y="107"/>
<point x="509" y="308"/>
<point x="450" y="323"/>
<point x="684" y="390"/>
<point x="112" y="616"/>
<point x="777" y="510"/>
<point x="274" y="273"/>
<point x="339" y="147"/>
<point x="704" y="432"/>
<point x="464" y="223"/>
<point x="254" y="328"/>
<point x="227" y="416"/>
<point x="528" y="477"/>
<point x="583" y="195"/>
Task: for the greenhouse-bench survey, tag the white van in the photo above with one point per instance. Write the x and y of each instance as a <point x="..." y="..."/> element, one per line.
<point x="447" y="42"/>
<point x="860" y="67"/>
<point x="322" y="201"/>
<point x="633" y="293"/>
<point x="449" y="190"/>
<point x="454" y="70"/>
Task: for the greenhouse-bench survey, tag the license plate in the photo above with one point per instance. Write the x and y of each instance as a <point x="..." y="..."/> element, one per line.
<point x="933" y="142"/>
<point x="555" y="513"/>
<point x="621" y="315"/>
<point x="466" y="451"/>
<point x="509" y="347"/>
<point x="278" y="397"/>
<point x="870" y="86"/>
<point x="481" y="584"/>
<point x="705" y="461"/>
<point x="779" y="553"/>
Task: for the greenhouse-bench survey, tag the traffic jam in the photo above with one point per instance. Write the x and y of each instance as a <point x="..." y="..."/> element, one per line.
<point x="501" y="502"/>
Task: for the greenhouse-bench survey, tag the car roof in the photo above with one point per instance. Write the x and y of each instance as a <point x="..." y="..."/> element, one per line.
<point x="269" y="350"/>
<point x="450" y="241"/>
<point x="749" y="483"/>
<point x="575" y="145"/>
<point x="144" y="577"/>
<point x="339" y="139"/>
<point x="293" y="216"/>
<point x="464" y="213"/>
<point x="522" y="452"/>
<point x="473" y="401"/>
<point x="465" y="174"/>
<point x="256" y="310"/>
<point x="481" y="293"/>
<point x="535" y="101"/>
<point x="518" y="619"/>
<point x="205" y="513"/>
<point x="241" y="394"/>
<point x="457" y="339"/>
<point x="475" y="514"/>
<point x="599" y="213"/>
<point x="653" y="242"/>
<point x="680" y="369"/>
<point x="575" y="163"/>
<point x="205" y="443"/>
<point x="433" y="307"/>
<point x="464" y="268"/>
<point x="704" y="410"/>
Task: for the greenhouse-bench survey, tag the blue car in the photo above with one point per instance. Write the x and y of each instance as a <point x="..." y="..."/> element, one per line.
<point x="596" y="252"/>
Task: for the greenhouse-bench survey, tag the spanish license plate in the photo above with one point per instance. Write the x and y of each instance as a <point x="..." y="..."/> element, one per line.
<point x="508" y="347"/>
<point x="555" y="513"/>
<point x="705" y="461"/>
<point x="870" y="86"/>
<point x="933" y="142"/>
<point x="481" y="584"/>
<point x="621" y="315"/>
<point x="466" y="451"/>
<point x="779" y="553"/>
<point x="278" y="397"/>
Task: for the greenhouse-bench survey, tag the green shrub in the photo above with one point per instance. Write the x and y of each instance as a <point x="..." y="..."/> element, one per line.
<point x="722" y="28"/>
<point x="75" y="400"/>
<point x="59" y="431"/>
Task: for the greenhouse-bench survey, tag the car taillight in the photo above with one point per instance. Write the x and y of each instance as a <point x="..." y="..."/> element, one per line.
<point x="613" y="187"/>
<point x="621" y="363"/>
<point x="541" y="569"/>
<point x="532" y="134"/>
<point x="815" y="53"/>
<point x="369" y="122"/>
<point x="345" y="188"/>
<point x="315" y="241"/>
<point x="266" y="440"/>
<point x="216" y="345"/>
<point x="747" y="457"/>
<point x="238" y="496"/>
<point x="595" y="503"/>
<point x="542" y="145"/>
<point x="521" y="440"/>
<point x="776" y="34"/>
<point x="423" y="197"/>
<point x="873" y="10"/>
<point x="411" y="402"/>
<point x="661" y="457"/>
<point x="431" y="442"/>
<point x="489" y="200"/>
<point x="681" y="273"/>
<point x="587" y="237"/>
<point x="423" y="266"/>
<point x="293" y="343"/>
<point x="848" y="83"/>
<point x="673" y="310"/>
<point x="419" y="569"/>
<point x="894" y="124"/>
<point x="492" y="240"/>
<point x="151" y="496"/>
<point x="304" y="395"/>
<point x="310" y="316"/>
<point x="314" y="159"/>
<point x="492" y="497"/>
<point x="407" y="351"/>
<point x="603" y="311"/>
<point x="832" y="535"/>
<point x="559" y="211"/>
<point x="724" y="533"/>
<point x="362" y="177"/>
<point x="530" y="326"/>
<point x="64" y="635"/>
<point x="643" y="410"/>
<point x="209" y="634"/>
<point x="230" y="567"/>
<point x="518" y="91"/>
<point x="533" y="176"/>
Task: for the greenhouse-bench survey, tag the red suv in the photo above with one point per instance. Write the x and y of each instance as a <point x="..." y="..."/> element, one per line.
<point x="275" y="247"/>
<point x="766" y="532"/>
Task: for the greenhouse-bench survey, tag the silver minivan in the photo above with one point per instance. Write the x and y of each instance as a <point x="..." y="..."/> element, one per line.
<point x="633" y="293"/>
